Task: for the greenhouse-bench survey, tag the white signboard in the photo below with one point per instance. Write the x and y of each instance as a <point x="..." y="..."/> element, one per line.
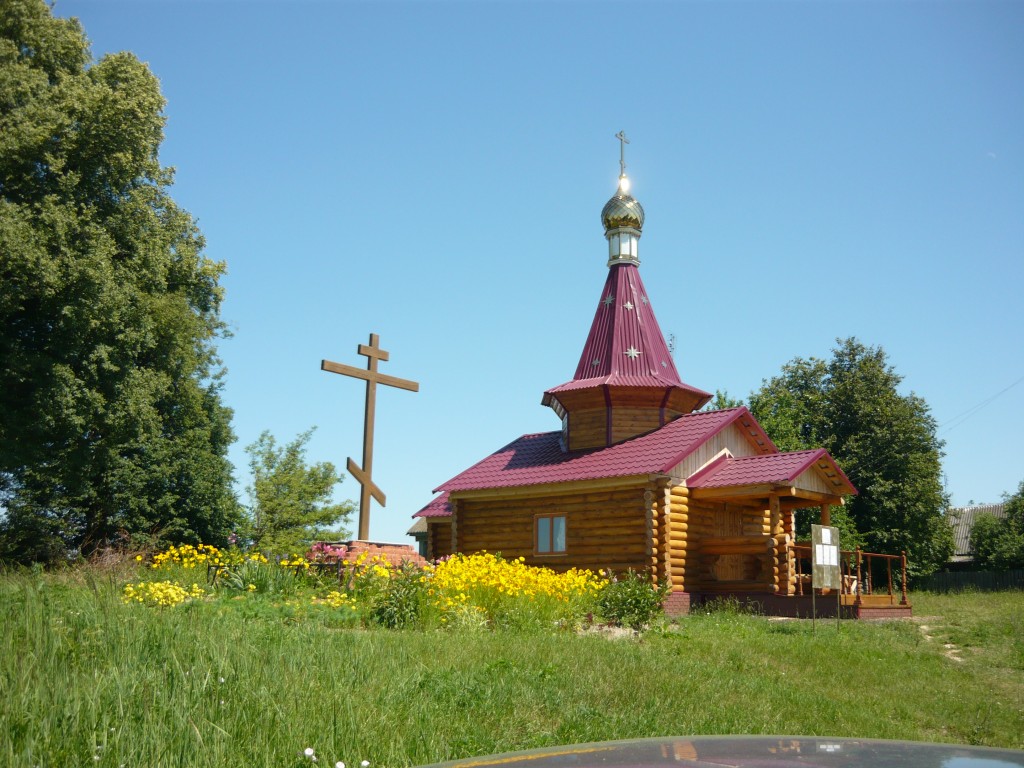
<point x="825" y="571"/>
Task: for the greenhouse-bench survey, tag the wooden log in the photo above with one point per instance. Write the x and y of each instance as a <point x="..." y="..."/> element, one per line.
<point x="593" y="563"/>
<point x="603" y="549"/>
<point x="763" y="541"/>
<point x="733" y="549"/>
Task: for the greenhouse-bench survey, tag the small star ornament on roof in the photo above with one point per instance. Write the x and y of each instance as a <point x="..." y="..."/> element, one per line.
<point x="608" y="300"/>
<point x="628" y="305"/>
<point x="632" y="353"/>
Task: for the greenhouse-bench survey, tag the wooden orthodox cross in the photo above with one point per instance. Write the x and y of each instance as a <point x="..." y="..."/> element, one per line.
<point x="364" y="474"/>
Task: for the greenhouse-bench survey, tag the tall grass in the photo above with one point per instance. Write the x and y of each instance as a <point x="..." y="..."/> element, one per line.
<point x="87" y="680"/>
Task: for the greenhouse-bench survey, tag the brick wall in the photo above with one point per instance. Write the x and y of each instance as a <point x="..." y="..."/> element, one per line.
<point x="396" y="554"/>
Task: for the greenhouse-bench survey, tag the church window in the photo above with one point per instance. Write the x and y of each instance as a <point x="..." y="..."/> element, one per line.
<point x="550" y="534"/>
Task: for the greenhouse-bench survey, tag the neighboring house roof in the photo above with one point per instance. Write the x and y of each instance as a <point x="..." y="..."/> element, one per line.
<point x="419" y="528"/>
<point x="772" y="468"/>
<point x="539" y="458"/>
<point x="625" y="346"/>
<point x="962" y="520"/>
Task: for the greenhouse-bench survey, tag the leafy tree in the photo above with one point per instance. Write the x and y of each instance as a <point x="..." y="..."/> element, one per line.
<point x="111" y="422"/>
<point x="721" y="401"/>
<point x="998" y="543"/>
<point x="290" y="502"/>
<point x="884" y="441"/>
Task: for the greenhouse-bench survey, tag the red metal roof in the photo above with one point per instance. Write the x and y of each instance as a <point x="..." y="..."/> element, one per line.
<point x="625" y="346"/>
<point x="768" y="468"/>
<point x="539" y="458"/>
<point x="437" y="507"/>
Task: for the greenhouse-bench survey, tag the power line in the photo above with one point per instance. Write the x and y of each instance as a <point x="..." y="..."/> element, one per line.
<point x="956" y="421"/>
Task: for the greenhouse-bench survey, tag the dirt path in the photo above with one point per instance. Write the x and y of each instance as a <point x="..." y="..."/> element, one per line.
<point x="950" y="650"/>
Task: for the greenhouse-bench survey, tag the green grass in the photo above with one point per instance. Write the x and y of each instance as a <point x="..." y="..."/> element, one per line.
<point x="82" y="674"/>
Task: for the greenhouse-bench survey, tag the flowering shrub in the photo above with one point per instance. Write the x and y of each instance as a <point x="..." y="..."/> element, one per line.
<point x="322" y="552"/>
<point x="509" y="592"/>
<point x="202" y="555"/>
<point x="464" y="591"/>
<point x="163" y="594"/>
<point x="337" y="599"/>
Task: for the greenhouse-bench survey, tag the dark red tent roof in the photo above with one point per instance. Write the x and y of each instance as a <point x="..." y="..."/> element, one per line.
<point x="625" y="346"/>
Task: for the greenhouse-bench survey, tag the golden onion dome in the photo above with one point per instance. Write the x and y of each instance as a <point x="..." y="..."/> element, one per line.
<point x="623" y="210"/>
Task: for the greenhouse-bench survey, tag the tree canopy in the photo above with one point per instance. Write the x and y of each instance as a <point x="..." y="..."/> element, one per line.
<point x="111" y="421"/>
<point x="884" y="441"/>
<point x="998" y="543"/>
<point x="290" y="501"/>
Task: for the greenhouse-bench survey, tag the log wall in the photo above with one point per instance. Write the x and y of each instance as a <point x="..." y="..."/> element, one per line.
<point x="630" y="422"/>
<point x="439" y="538"/>
<point x="603" y="528"/>
<point x="736" y="548"/>
<point x="681" y="529"/>
<point x="588" y="427"/>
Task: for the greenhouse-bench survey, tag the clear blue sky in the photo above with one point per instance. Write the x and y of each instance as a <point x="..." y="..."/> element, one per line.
<point x="434" y="173"/>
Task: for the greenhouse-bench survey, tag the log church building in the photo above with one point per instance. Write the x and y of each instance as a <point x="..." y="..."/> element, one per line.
<point x="638" y="476"/>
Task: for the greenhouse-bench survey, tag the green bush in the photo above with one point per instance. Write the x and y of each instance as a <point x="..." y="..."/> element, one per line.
<point x="632" y="600"/>
<point x="728" y="605"/>
<point x="262" y="578"/>
<point x="398" y="603"/>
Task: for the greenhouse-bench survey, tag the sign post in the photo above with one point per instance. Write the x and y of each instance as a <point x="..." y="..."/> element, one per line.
<point x="825" y="570"/>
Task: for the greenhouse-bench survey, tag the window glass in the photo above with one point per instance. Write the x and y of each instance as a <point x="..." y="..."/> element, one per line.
<point x="550" y="533"/>
<point x="558" y="534"/>
<point x="543" y="534"/>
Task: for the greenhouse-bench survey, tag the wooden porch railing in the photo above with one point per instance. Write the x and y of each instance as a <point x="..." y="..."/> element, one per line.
<point x="858" y="569"/>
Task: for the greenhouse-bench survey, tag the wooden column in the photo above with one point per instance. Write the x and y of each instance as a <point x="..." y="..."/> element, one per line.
<point x="455" y="528"/>
<point x="776" y="515"/>
<point x="826" y="514"/>
<point x="666" y="533"/>
<point x="651" y="526"/>
<point x="775" y="523"/>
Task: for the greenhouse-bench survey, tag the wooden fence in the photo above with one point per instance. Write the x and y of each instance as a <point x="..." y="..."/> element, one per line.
<point x="982" y="581"/>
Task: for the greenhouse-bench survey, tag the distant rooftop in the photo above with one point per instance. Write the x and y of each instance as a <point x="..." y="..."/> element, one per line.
<point x="962" y="519"/>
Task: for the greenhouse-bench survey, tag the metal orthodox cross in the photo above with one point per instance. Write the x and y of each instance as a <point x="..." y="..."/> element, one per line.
<point x="364" y="474"/>
<point x="623" y="141"/>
